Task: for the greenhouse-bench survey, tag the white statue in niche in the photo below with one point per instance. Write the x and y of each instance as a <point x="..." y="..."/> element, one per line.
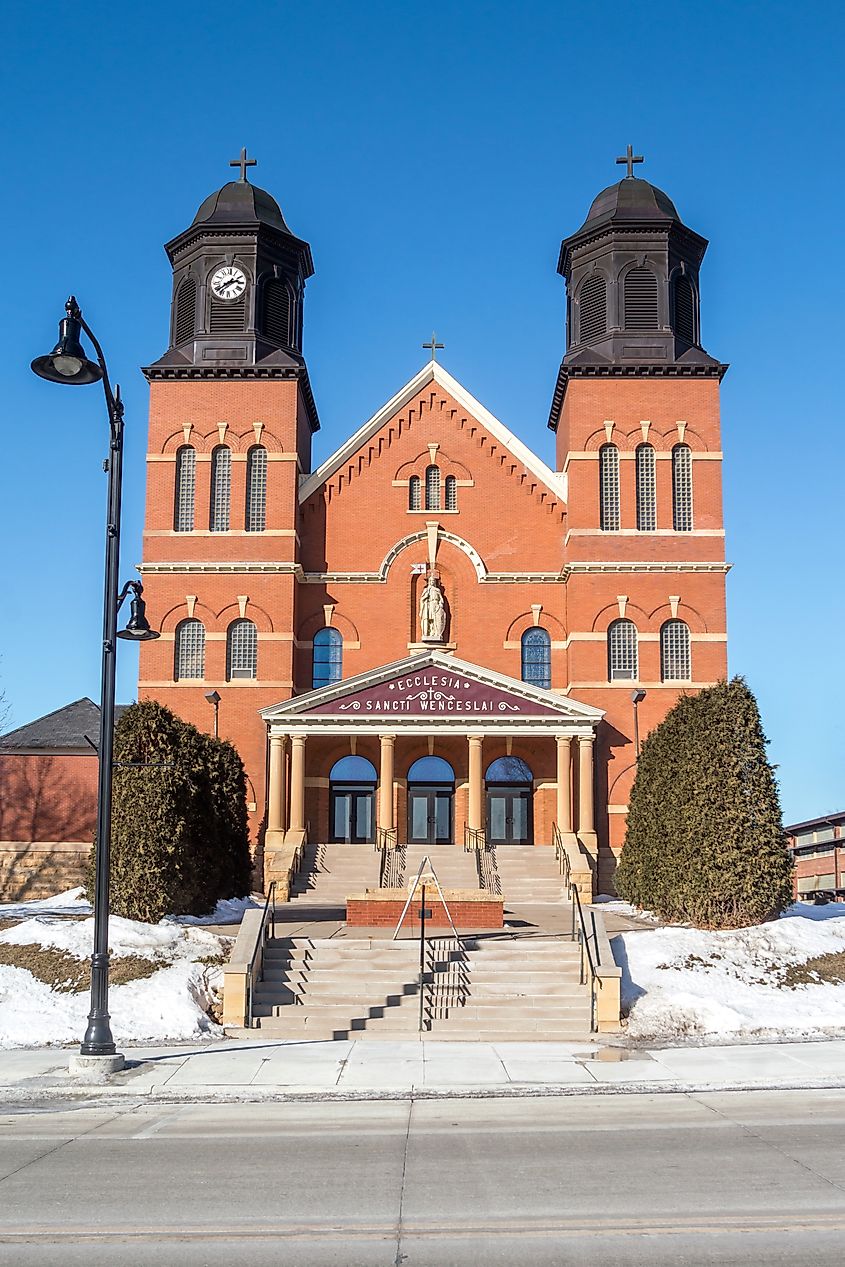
<point x="432" y="612"/>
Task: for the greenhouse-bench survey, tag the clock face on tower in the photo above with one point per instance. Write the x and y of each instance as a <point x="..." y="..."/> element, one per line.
<point x="228" y="282"/>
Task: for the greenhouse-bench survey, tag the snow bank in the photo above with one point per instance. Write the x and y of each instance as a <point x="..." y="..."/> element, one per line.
<point x="684" y="981"/>
<point x="170" y="1004"/>
<point x="73" y="902"/>
<point x="227" y="911"/>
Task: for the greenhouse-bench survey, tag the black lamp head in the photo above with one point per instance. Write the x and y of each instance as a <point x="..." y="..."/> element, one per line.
<point x="214" y="698"/>
<point x="138" y="627"/>
<point x="67" y="363"/>
<point x="637" y="696"/>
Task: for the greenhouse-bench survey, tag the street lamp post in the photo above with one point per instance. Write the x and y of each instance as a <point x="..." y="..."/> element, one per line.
<point x="67" y="363"/>
<point x="214" y="698"/>
<point x="637" y="698"/>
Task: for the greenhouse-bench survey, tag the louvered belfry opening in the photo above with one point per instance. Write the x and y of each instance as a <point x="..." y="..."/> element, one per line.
<point x="684" y="309"/>
<point x="276" y="321"/>
<point x="592" y="321"/>
<point x="641" y="300"/>
<point x="228" y="318"/>
<point x="186" y="311"/>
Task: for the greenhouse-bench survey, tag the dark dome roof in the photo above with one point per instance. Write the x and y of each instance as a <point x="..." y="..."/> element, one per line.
<point x="631" y="199"/>
<point x="238" y="202"/>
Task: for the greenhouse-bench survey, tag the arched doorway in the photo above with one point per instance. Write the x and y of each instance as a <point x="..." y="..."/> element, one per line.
<point x="352" y="800"/>
<point x="431" y="793"/>
<point x="510" y="796"/>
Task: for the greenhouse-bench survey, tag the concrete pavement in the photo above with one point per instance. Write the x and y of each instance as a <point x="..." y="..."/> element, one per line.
<point x="738" y="1178"/>
<point x="255" y="1069"/>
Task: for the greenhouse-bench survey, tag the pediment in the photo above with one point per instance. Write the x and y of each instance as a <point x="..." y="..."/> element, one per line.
<point x="434" y="687"/>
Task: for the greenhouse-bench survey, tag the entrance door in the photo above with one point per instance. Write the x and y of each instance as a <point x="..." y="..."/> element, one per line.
<point x="429" y="814"/>
<point x="509" y="815"/>
<point x="351" y="814"/>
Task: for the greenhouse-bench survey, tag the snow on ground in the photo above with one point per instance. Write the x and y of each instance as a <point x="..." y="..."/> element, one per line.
<point x="170" y="1004"/>
<point x="73" y="902"/>
<point x="227" y="911"/>
<point x="680" y="981"/>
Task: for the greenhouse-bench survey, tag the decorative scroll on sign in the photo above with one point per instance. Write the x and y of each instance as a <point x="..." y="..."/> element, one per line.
<point x="431" y="692"/>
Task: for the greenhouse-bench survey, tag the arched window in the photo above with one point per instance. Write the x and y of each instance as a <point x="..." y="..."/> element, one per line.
<point x="537" y="658"/>
<point x="221" y="489"/>
<point x="184" y="318"/>
<point x="646" y="489"/>
<point x="592" y="322"/>
<point x="640" y="299"/>
<point x="431" y="770"/>
<point x="186" y="478"/>
<point x="189" y="657"/>
<point x="682" y="488"/>
<point x="509" y="770"/>
<point x="675" y="659"/>
<point x="622" y="651"/>
<point x="353" y="770"/>
<point x="415" y="493"/>
<point x="432" y="488"/>
<point x="684" y="308"/>
<point x="609" y="488"/>
<point x="241" y="650"/>
<point x="256" y="488"/>
<point x="328" y="657"/>
<point x="450" y="489"/>
<point x="277" y="312"/>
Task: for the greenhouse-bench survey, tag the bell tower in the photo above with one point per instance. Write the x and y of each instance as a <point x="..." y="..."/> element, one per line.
<point x="636" y="416"/>
<point x="231" y="420"/>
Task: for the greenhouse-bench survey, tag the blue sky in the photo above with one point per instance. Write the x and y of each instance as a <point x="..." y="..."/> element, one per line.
<point x="433" y="155"/>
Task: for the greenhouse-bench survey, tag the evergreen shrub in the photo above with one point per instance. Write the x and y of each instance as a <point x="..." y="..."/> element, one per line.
<point x="704" y="842"/>
<point x="180" y="838"/>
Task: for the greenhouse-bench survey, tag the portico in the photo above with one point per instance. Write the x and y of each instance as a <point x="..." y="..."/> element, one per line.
<point x="428" y="748"/>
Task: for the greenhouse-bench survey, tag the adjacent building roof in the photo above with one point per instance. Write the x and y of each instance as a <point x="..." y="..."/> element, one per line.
<point x="67" y="729"/>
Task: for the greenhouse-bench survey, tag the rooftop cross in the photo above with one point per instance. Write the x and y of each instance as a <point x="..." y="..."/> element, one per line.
<point x="434" y="345"/>
<point x="243" y="162"/>
<point x="630" y="158"/>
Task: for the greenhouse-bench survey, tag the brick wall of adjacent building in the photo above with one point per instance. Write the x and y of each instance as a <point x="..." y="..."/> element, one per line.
<point x="48" y="815"/>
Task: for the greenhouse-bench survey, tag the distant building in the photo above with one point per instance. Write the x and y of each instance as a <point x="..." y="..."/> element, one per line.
<point x="48" y="801"/>
<point x="818" y="850"/>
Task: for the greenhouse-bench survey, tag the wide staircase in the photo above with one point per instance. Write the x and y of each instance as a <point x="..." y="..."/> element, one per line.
<point x="530" y="876"/>
<point x="329" y="873"/>
<point x="485" y="988"/>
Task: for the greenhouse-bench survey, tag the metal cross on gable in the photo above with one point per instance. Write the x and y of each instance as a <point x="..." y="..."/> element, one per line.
<point x="243" y="162"/>
<point x="434" y="345"/>
<point x="630" y="158"/>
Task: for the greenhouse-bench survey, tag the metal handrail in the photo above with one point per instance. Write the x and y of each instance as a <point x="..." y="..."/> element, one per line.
<point x="268" y="917"/>
<point x="584" y="939"/>
<point x="387" y="844"/>
<point x="561" y="854"/>
<point x="475" y="841"/>
<point x="474" y="838"/>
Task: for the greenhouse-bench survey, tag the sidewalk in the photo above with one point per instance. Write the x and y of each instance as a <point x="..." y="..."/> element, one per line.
<point x="374" y="1069"/>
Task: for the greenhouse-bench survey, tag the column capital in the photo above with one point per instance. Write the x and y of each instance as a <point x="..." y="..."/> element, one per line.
<point x="278" y="741"/>
<point x="298" y="739"/>
<point x="586" y="739"/>
<point x="387" y="739"/>
<point x="477" y="739"/>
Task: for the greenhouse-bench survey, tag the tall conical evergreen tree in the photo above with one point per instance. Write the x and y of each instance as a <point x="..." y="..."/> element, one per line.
<point x="705" y="841"/>
<point x="180" y="839"/>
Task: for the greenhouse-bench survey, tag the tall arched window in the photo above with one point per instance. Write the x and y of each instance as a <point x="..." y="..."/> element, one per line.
<point x="609" y="488"/>
<point x="186" y="479"/>
<point x="432" y="488"/>
<point x="450" y="489"/>
<point x="622" y="651"/>
<point x="675" y="659"/>
<point x="684" y="308"/>
<point x="256" y="488"/>
<point x="537" y="658"/>
<point x="415" y="493"/>
<point x="682" y="488"/>
<point x="277" y="312"/>
<point x="241" y="650"/>
<point x="189" y="655"/>
<point x="184" y="318"/>
<point x="646" y="489"/>
<point x="221" y="489"/>
<point x="592" y="307"/>
<point x="328" y="657"/>
<point x="640" y="299"/>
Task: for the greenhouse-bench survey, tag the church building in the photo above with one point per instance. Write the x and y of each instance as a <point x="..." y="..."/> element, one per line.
<point x="436" y="631"/>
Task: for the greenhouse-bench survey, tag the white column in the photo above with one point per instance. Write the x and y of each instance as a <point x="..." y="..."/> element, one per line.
<point x="586" y="814"/>
<point x="385" y="784"/>
<point x="564" y="784"/>
<point x="474" y="808"/>
<point x="276" y="789"/>
<point x="297" y="783"/>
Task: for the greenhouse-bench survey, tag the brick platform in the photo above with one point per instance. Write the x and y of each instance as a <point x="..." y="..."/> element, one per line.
<point x="381" y="908"/>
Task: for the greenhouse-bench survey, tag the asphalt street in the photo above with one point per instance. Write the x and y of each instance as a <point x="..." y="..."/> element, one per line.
<point x="718" y="1177"/>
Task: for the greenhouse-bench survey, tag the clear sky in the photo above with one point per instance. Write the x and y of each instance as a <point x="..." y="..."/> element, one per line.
<point x="433" y="155"/>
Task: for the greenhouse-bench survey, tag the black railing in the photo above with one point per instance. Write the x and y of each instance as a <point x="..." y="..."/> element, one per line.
<point x="589" y="943"/>
<point x="268" y="920"/>
<point x="561" y="855"/>
<point x="475" y="841"/>
<point x="391" y="863"/>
